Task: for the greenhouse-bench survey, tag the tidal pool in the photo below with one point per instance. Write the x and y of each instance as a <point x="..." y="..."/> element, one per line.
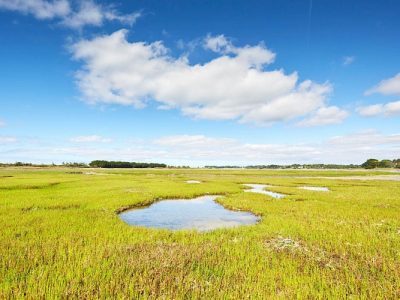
<point x="315" y="188"/>
<point x="260" y="188"/>
<point x="201" y="213"/>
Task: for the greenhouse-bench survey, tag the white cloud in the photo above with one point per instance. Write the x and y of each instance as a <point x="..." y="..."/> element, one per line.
<point x="234" y="85"/>
<point x="7" y="139"/>
<point x="348" y="60"/>
<point x="352" y="148"/>
<point x="390" y="86"/>
<point x="192" y="141"/>
<point x="40" y="9"/>
<point x="90" y="13"/>
<point x="90" y="139"/>
<point x="325" y="116"/>
<point x="86" y="12"/>
<point x="2" y="123"/>
<point x="370" y="110"/>
<point x="388" y="109"/>
<point x="197" y="150"/>
<point x="200" y="147"/>
<point x="366" y="138"/>
<point x="392" y="108"/>
<point x="219" y="44"/>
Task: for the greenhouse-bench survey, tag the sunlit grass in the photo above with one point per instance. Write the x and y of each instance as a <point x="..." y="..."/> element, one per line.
<point x="61" y="236"/>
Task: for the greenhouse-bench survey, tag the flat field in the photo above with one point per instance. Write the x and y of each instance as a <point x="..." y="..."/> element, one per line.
<point x="61" y="236"/>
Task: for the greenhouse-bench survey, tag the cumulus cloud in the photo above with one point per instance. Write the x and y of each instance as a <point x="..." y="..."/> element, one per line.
<point x="325" y="116"/>
<point x="388" y="109"/>
<point x="69" y="13"/>
<point x="90" y="139"/>
<point x="348" y="60"/>
<point x="235" y="85"/>
<point x="390" y="86"/>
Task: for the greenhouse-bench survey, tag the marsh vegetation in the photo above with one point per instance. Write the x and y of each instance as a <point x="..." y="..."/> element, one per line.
<point x="62" y="236"/>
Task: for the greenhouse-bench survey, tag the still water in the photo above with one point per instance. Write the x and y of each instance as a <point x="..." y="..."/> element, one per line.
<point x="315" y="188"/>
<point x="201" y="213"/>
<point x="193" y="181"/>
<point x="260" y="188"/>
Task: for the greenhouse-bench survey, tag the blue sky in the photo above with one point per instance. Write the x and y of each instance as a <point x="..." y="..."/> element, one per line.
<point x="199" y="82"/>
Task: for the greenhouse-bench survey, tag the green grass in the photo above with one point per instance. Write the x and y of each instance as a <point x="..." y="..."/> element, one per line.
<point x="61" y="237"/>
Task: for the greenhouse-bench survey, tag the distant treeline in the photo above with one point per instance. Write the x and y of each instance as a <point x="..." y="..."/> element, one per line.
<point x="64" y="164"/>
<point x="293" y="166"/>
<point x="369" y="164"/>
<point x="24" y="164"/>
<point x="373" y="163"/>
<point x="124" y="164"/>
<point x="93" y="164"/>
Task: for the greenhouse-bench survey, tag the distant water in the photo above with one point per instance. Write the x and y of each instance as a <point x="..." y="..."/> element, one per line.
<point x="260" y="188"/>
<point x="315" y="188"/>
<point x="201" y="213"/>
<point x="193" y="181"/>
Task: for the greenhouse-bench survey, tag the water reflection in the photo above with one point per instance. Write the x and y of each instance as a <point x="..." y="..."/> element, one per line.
<point x="193" y="181"/>
<point x="201" y="213"/>
<point x="260" y="188"/>
<point x="315" y="188"/>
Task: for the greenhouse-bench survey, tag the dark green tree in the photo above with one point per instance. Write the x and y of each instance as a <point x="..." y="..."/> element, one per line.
<point x="370" y="164"/>
<point x="124" y="164"/>
<point x="396" y="163"/>
<point x="385" y="163"/>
